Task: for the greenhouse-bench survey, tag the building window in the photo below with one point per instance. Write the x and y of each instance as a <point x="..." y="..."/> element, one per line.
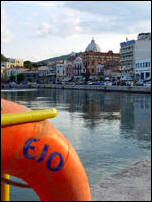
<point x="142" y="75"/>
<point x="147" y="74"/>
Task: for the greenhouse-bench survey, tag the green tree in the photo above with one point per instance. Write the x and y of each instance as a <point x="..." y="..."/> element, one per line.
<point x="3" y="58"/>
<point x="12" y="78"/>
<point x="28" y="64"/>
<point x="20" y="77"/>
<point x="101" y="78"/>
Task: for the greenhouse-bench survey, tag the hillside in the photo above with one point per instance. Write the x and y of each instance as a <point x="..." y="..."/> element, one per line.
<point x="63" y="57"/>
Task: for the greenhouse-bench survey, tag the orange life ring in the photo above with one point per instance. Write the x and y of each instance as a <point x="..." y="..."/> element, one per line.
<point x="40" y="155"/>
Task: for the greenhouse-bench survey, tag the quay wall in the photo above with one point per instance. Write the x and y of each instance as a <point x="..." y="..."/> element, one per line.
<point x="132" y="89"/>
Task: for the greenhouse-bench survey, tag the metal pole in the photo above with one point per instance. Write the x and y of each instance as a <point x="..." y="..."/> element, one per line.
<point x="5" y="189"/>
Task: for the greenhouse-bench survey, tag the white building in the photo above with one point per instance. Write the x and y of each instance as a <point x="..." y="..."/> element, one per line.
<point x="78" y="67"/>
<point x="127" y="57"/>
<point x="143" y="69"/>
<point x="43" y="71"/>
<point x="142" y="57"/>
<point x="60" y="71"/>
<point x="135" y="57"/>
<point x="14" y="71"/>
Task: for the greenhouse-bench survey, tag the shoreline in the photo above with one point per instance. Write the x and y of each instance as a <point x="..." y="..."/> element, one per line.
<point x="131" y="184"/>
<point x="129" y="89"/>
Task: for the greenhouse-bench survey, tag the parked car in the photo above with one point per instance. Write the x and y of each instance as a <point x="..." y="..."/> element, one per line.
<point x="89" y="83"/>
<point x="122" y="83"/>
<point x="147" y="84"/>
<point x="101" y="83"/>
<point x="108" y="83"/>
<point x="139" y="83"/>
<point x="71" y="83"/>
<point x="129" y="83"/>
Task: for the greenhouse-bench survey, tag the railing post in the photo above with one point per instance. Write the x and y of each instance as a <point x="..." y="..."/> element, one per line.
<point x="5" y="189"/>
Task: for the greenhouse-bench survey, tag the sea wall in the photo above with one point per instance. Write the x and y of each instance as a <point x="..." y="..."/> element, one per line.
<point x="132" y="89"/>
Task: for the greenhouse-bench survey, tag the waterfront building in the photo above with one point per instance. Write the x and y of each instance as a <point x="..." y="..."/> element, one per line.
<point x="60" y="70"/>
<point x="135" y="57"/>
<point x="78" y="68"/>
<point x="31" y="75"/>
<point x="143" y="69"/>
<point x="28" y="74"/>
<point x="52" y="71"/>
<point x="10" y="63"/>
<point x="43" y="72"/>
<point x="93" y="57"/>
<point x="69" y="70"/>
<point x="100" y="70"/>
<point x="14" y="71"/>
<point x="127" y="58"/>
<point x="114" y="72"/>
<point x="142" y="57"/>
<point x="14" y="63"/>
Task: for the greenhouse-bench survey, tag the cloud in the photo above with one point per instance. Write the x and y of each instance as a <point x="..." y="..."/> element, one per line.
<point x="6" y="34"/>
<point x="46" y="4"/>
<point x="62" y="24"/>
<point x="85" y="17"/>
<point x="115" y="17"/>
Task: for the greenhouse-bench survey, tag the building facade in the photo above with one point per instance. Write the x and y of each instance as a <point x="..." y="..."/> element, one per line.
<point x="11" y="63"/>
<point x="78" y="68"/>
<point x="142" y="57"/>
<point x="93" y="58"/>
<point x="60" y="70"/>
<point x="14" y="63"/>
<point x="135" y="57"/>
<point x="69" y="70"/>
<point x="127" y="58"/>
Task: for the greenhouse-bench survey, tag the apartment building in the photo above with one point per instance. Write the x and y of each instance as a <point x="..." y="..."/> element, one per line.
<point x="127" y="58"/>
<point x="142" y="57"/>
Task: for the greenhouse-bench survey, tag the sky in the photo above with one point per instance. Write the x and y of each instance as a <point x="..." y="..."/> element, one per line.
<point x="38" y="30"/>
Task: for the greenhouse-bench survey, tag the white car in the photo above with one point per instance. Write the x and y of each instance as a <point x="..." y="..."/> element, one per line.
<point x="108" y="83"/>
<point x="148" y="84"/>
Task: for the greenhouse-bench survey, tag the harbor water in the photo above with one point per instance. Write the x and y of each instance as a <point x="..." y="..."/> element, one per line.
<point x="109" y="130"/>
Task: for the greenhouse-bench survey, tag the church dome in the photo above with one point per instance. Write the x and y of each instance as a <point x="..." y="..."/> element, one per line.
<point x="93" y="47"/>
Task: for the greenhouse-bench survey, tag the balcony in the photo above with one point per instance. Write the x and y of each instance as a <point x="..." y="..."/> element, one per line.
<point x="126" y="59"/>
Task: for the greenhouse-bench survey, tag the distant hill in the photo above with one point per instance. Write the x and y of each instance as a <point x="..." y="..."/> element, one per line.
<point x="43" y="62"/>
<point x="62" y="57"/>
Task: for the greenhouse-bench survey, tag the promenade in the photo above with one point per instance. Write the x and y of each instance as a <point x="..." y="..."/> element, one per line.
<point x="132" y="184"/>
<point x="131" y="89"/>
